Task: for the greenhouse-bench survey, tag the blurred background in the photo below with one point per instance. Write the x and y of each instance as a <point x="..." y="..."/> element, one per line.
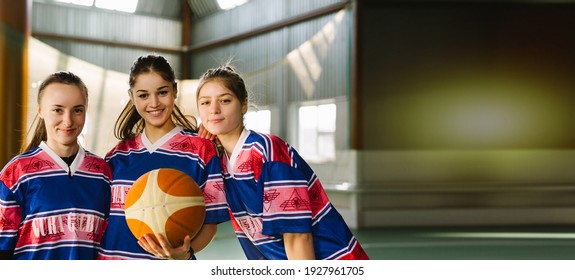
<point x="440" y="129"/>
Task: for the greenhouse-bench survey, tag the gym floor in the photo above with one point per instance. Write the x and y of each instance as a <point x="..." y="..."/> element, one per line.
<point x="454" y="243"/>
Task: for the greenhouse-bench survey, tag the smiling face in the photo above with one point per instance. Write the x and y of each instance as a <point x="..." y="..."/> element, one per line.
<point x="63" y="108"/>
<point x="154" y="99"/>
<point x="220" y="110"/>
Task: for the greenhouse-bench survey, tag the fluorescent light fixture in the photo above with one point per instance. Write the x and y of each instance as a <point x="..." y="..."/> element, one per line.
<point x="228" y="4"/>
<point x="78" y="2"/>
<point x="128" y="6"/>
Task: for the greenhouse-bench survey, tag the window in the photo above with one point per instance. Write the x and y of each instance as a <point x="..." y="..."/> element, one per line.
<point x="316" y="132"/>
<point x="228" y="4"/>
<point x="259" y="121"/>
<point x="78" y="2"/>
<point x="128" y="6"/>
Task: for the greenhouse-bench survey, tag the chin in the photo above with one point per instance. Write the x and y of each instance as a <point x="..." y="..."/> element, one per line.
<point x="216" y="131"/>
<point x="157" y="123"/>
<point x="67" y="142"/>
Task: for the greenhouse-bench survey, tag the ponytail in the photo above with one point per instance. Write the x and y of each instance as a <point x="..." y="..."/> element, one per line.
<point x="39" y="135"/>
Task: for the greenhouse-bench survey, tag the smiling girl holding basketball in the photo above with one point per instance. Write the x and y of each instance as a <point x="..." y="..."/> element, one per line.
<point x="279" y="208"/>
<point x="154" y="134"/>
<point x="55" y="196"/>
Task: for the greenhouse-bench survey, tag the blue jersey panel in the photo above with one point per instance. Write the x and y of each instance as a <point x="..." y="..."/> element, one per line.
<point x="180" y="149"/>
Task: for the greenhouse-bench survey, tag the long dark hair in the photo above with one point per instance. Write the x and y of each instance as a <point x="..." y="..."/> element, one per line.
<point x="130" y="123"/>
<point x="62" y="77"/>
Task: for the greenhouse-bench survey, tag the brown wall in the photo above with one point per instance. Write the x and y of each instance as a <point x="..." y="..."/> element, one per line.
<point x="14" y="30"/>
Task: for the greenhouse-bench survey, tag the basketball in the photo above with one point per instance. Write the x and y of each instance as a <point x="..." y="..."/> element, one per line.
<point x="165" y="201"/>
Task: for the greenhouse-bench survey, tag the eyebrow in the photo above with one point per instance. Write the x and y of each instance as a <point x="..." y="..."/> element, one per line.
<point x="221" y="95"/>
<point x="160" y="88"/>
<point x="58" y="105"/>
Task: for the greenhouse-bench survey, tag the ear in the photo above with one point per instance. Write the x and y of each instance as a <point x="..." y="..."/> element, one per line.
<point x="244" y="108"/>
<point x="131" y="95"/>
<point x="39" y="112"/>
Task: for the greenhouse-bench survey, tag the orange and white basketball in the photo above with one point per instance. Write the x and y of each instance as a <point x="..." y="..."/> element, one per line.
<point x="165" y="201"/>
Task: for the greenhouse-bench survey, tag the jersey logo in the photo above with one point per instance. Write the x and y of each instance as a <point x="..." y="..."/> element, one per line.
<point x="94" y="166"/>
<point x="208" y="198"/>
<point x="38" y="164"/>
<point x="53" y="237"/>
<point x="119" y="194"/>
<point x="246" y="166"/>
<point x="53" y="228"/>
<point x="315" y="195"/>
<point x="270" y="196"/>
<point x="7" y="177"/>
<point x="252" y="227"/>
<point x="251" y="161"/>
<point x="219" y="185"/>
<point x="185" y="145"/>
<point x="214" y="192"/>
<point x="131" y="144"/>
<point x="295" y="202"/>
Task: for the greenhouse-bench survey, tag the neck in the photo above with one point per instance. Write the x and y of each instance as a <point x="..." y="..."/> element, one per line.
<point x="230" y="140"/>
<point x="155" y="133"/>
<point x="64" y="150"/>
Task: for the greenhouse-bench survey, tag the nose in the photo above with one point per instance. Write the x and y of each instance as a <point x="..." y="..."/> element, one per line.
<point x="214" y="107"/>
<point x="154" y="101"/>
<point x="67" y="119"/>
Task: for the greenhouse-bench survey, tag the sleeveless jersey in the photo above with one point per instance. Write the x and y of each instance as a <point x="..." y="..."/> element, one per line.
<point x="271" y="190"/>
<point x="179" y="149"/>
<point x="51" y="211"/>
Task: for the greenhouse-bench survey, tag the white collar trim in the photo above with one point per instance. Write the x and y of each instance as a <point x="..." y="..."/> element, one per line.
<point x="153" y="147"/>
<point x="237" y="150"/>
<point x="75" y="164"/>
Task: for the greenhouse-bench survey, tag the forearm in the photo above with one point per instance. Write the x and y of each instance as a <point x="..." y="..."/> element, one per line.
<point x="204" y="237"/>
<point x="299" y="246"/>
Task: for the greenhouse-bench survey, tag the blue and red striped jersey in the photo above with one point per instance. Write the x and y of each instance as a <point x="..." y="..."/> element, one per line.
<point x="179" y="149"/>
<point x="49" y="210"/>
<point x="270" y="191"/>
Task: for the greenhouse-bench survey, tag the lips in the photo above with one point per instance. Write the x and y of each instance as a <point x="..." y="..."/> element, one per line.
<point x="215" y="121"/>
<point x="67" y="131"/>
<point x="155" y="113"/>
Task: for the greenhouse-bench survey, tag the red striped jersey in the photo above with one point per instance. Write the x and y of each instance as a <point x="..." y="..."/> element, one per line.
<point x="179" y="149"/>
<point x="270" y="191"/>
<point x="49" y="210"/>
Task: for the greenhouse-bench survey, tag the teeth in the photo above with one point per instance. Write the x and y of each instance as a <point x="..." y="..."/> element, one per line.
<point x="155" y="113"/>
